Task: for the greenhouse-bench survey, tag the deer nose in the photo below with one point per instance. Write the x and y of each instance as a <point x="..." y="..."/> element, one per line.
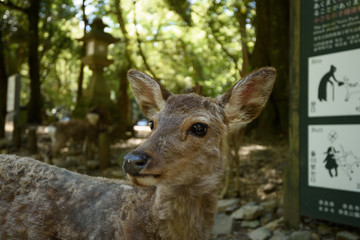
<point x="134" y="162"/>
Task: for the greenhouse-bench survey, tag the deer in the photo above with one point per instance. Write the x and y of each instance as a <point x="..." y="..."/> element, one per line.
<point x="75" y="130"/>
<point x="85" y="131"/>
<point x="174" y="175"/>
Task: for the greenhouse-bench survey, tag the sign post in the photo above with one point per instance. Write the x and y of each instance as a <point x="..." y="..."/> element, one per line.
<point x="330" y="110"/>
<point x="12" y="131"/>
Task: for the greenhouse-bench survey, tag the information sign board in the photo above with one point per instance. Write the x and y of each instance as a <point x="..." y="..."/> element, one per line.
<point x="330" y="110"/>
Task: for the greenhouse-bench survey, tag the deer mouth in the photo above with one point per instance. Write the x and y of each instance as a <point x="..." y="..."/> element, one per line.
<point x="139" y="175"/>
<point x="145" y="179"/>
<point x="148" y="175"/>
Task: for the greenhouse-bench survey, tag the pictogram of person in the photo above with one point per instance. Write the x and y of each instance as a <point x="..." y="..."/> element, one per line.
<point x="331" y="161"/>
<point x="324" y="81"/>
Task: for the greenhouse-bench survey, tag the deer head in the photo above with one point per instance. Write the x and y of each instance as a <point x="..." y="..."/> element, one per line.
<point x="188" y="129"/>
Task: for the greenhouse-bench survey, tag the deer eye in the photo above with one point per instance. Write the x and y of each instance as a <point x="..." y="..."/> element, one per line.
<point x="151" y="125"/>
<point x="199" y="129"/>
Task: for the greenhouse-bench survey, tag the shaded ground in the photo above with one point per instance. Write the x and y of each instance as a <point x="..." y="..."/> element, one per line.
<point x="261" y="168"/>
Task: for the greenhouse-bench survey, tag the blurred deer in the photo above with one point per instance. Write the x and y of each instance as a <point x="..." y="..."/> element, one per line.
<point x="175" y="173"/>
<point x="75" y="130"/>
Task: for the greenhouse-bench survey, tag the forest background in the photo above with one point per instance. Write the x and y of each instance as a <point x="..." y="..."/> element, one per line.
<point x="192" y="45"/>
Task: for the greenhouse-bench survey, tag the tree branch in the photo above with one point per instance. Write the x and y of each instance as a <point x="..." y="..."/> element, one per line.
<point x="147" y="66"/>
<point x="119" y="14"/>
<point x="10" y="5"/>
<point x="233" y="58"/>
<point x="241" y="18"/>
<point x="80" y="80"/>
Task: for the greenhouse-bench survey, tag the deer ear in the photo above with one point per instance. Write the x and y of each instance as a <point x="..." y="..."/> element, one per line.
<point x="245" y="100"/>
<point x="149" y="94"/>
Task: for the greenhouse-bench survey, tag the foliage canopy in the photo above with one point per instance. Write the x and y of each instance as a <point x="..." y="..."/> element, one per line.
<point x="201" y="45"/>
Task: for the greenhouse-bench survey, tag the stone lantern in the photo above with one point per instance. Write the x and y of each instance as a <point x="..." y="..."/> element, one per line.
<point x="97" y="42"/>
<point x="97" y="93"/>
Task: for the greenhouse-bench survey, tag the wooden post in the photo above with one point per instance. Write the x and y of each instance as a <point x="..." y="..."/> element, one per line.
<point x="292" y="171"/>
<point x="32" y="140"/>
<point x="104" y="150"/>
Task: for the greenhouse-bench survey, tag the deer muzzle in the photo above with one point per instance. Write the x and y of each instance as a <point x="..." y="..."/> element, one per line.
<point x="134" y="162"/>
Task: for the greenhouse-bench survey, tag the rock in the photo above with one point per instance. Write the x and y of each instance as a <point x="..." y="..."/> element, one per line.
<point x="280" y="212"/>
<point x="269" y="188"/>
<point x="300" y="235"/>
<point x="279" y="181"/>
<point x="250" y="224"/>
<point x="238" y="214"/>
<point x="279" y="235"/>
<point x="266" y="218"/>
<point x="236" y="227"/>
<point x="231" y="209"/>
<point x="274" y="224"/>
<point x="344" y="235"/>
<point x="315" y="236"/>
<point x="269" y="206"/>
<point x="248" y="212"/>
<point x="250" y="204"/>
<point x="227" y="203"/>
<point x="324" y="229"/>
<point x="223" y="224"/>
<point x="261" y="233"/>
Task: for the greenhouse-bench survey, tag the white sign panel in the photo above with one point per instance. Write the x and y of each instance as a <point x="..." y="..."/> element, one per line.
<point x="334" y="84"/>
<point x="334" y="157"/>
<point x="11" y="94"/>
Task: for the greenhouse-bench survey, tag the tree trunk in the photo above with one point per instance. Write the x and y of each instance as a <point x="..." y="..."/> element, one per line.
<point x="241" y="18"/>
<point x="35" y="104"/>
<point x="124" y="103"/>
<point x="80" y="81"/>
<point x="271" y="49"/>
<point x="291" y="185"/>
<point x="83" y="51"/>
<point x="3" y="87"/>
<point x="123" y="99"/>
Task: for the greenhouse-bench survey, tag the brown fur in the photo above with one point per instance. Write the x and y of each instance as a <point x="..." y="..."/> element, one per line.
<point x="40" y="201"/>
<point x="173" y="197"/>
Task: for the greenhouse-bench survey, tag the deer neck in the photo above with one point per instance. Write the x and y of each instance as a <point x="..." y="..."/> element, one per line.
<point x="186" y="211"/>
